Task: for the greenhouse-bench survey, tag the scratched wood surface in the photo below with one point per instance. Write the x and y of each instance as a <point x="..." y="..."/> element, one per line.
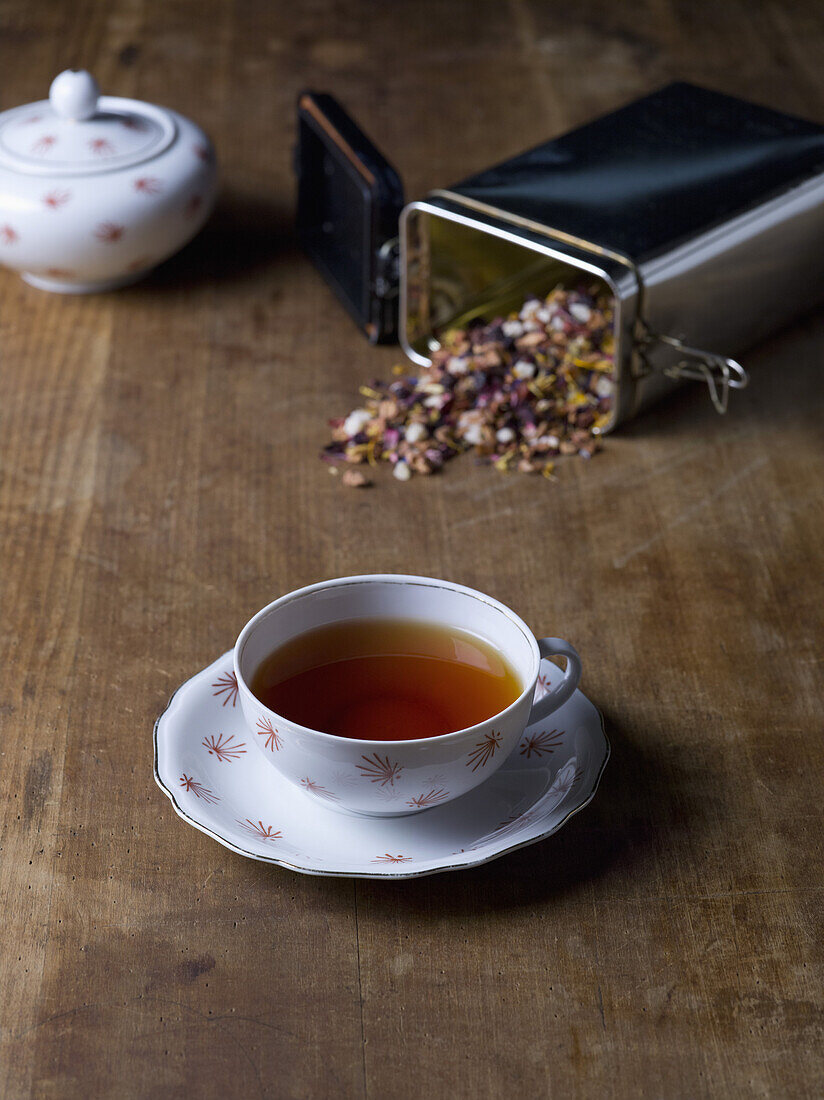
<point x="158" y="483"/>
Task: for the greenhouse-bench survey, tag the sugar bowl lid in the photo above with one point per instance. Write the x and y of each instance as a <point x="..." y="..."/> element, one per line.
<point x="78" y="132"/>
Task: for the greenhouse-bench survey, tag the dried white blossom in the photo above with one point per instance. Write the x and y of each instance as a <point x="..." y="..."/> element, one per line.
<point x="356" y="421"/>
<point x="472" y="434"/>
<point x="523" y="369"/>
<point x="604" y="386"/>
<point x="415" y="432"/>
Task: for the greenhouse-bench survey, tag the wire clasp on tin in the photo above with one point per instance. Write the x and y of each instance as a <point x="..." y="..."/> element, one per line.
<point x="720" y="373"/>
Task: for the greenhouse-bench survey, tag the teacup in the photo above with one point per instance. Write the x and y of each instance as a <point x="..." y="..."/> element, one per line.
<point x="392" y="778"/>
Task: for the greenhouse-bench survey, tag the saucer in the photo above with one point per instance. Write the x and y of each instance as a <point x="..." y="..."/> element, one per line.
<point x="205" y="763"/>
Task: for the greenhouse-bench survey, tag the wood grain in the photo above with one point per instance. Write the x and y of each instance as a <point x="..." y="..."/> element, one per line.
<point x="158" y="483"/>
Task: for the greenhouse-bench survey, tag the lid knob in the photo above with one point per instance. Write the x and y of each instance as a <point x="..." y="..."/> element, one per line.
<point x="74" y="94"/>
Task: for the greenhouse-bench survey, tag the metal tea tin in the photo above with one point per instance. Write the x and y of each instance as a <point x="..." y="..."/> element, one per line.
<point x="702" y="214"/>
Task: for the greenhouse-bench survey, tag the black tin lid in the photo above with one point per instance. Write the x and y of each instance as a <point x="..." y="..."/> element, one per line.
<point x="349" y="201"/>
<point x="655" y="172"/>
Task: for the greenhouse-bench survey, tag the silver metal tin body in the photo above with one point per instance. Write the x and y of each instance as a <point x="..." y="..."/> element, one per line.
<point x="439" y="280"/>
<point x="726" y="289"/>
<point x="715" y="249"/>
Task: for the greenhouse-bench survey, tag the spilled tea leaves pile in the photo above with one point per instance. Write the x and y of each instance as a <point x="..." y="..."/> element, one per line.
<point x="517" y="392"/>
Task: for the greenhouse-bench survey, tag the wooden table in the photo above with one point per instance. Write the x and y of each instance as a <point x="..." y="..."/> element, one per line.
<point x="159" y="483"/>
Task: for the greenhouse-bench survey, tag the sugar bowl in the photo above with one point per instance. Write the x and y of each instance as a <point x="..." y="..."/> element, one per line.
<point x="96" y="190"/>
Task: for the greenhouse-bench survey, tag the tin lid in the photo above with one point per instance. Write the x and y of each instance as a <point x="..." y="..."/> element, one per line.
<point x="349" y="201"/>
<point x="78" y="132"/>
<point x="655" y="172"/>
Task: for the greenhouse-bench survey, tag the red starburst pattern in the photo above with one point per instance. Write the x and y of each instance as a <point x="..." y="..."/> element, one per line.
<point x="274" y="740"/>
<point x="109" y="232"/>
<point x="484" y="751"/>
<point x="380" y="769"/>
<point x="387" y="858"/>
<point x="514" y="819"/>
<point x="540" y="744"/>
<point x="44" y="144"/>
<point x="224" y="748"/>
<point x="566" y="779"/>
<point x="315" y="788"/>
<point x="542" y="685"/>
<point x="259" y="830"/>
<point x="148" y="185"/>
<point x="226" y="685"/>
<point x="431" y="798"/>
<point x="60" y="273"/>
<point x="31" y="120"/>
<point x="55" y="199"/>
<point x="8" y="235"/>
<point x="203" y="152"/>
<point x="197" y="789"/>
<point x="193" y="205"/>
<point x="132" y="122"/>
<point x="102" y="147"/>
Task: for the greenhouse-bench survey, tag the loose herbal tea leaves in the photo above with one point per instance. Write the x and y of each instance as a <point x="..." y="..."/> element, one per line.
<point x="517" y="392"/>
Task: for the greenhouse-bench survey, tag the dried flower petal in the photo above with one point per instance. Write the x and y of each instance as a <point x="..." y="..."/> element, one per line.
<point x="355" y="479"/>
<point x="519" y="391"/>
<point x="356" y="421"/>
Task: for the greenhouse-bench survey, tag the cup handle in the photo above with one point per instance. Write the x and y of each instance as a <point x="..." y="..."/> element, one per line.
<point x="557" y="647"/>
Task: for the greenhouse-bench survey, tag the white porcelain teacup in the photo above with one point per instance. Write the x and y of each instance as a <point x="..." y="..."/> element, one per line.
<point x="390" y="778"/>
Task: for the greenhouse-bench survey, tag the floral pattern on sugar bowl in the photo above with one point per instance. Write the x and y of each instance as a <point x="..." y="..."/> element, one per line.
<point x="96" y="190"/>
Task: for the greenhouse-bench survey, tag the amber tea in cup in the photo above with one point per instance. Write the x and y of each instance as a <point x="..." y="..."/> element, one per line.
<point x="392" y="683"/>
<point x="386" y="680"/>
